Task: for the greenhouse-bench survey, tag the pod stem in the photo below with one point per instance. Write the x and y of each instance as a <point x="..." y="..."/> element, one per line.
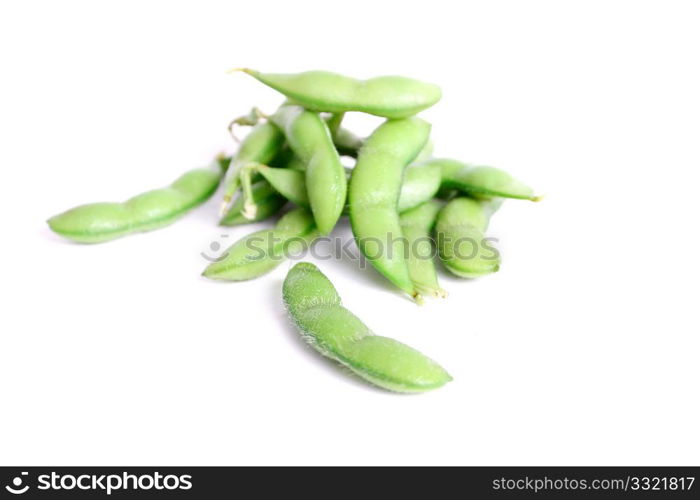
<point x="334" y="123"/>
<point x="250" y="208"/>
<point x="223" y="208"/>
<point x="250" y="120"/>
<point x="231" y="183"/>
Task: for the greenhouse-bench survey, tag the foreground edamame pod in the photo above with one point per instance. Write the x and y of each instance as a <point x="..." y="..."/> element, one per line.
<point x="315" y="307"/>
<point x="387" y="96"/>
<point x="374" y="192"/>
<point x="98" y="222"/>
<point x="416" y="225"/>
<point x="462" y="246"/>
<point x="326" y="185"/>
<point x="262" y="251"/>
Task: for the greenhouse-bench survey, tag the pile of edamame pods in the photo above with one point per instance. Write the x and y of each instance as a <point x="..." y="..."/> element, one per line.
<point x="397" y="196"/>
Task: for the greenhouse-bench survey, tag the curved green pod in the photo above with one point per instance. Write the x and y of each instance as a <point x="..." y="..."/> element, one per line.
<point x="373" y="196"/>
<point x="481" y="181"/>
<point x="267" y="200"/>
<point x="462" y="246"/>
<point x="98" y="222"/>
<point x="387" y="96"/>
<point x="417" y="225"/>
<point x="262" y="251"/>
<point x="290" y="183"/>
<point x="316" y="309"/>
<point x="308" y="136"/>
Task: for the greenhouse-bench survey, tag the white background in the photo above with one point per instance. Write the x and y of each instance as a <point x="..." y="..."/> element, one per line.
<point x="583" y="349"/>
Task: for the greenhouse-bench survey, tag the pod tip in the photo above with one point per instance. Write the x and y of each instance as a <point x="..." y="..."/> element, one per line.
<point x="250" y="210"/>
<point x="224" y="206"/>
<point x="244" y="70"/>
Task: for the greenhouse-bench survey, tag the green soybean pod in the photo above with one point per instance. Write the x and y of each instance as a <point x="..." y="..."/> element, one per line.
<point x="387" y="96"/>
<point x="262" y="251"/>
<point x="98" y="222"/>
<point x="461" y="242"/>
<point x="373" y="196"/>
<point x="482" y="181"/>
<point x="308" y="136"/>
<point x="260" y="146"/>
<point x="267" y="200"/>
<point x="290" y="183"/>
<point x="417" y="225"/>
<point x="316" y="309"/>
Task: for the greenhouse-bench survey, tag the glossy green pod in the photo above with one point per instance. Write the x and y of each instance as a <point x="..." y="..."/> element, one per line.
<point x="316" y="309"/>
<point x="308" y="136"/>
<point x="387" y="96"/>
<point x="373" y="196"/>
<point x="462" y="246"/>
<point x="481" y="181"/>
<point x="98" y="222"/>
<point x="290" y="183"/>
<point x="262" y="251"/>
<point x="417" y="225"/>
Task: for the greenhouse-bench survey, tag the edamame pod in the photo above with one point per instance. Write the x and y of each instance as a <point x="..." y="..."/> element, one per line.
<point x="315" y="307"/>
<point x="262" y="251"/>
<point x="290" y="183"/>
<point x="98" y="222"/>
<point x="374" y="192"/>
<point x="416" y="225"/>
<point x="463" y="249"/>
<point x="482" y="181"/>
<point x="267" y="200"/>
<point x="326" y="185"/>
<point x="387" y="96"/>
